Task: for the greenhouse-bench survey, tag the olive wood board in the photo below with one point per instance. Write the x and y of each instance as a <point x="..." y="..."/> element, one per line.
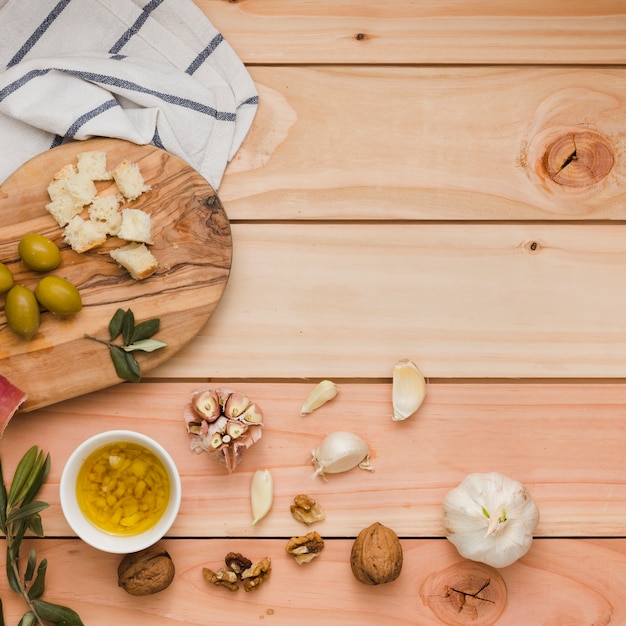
<point x="192" y="243"/>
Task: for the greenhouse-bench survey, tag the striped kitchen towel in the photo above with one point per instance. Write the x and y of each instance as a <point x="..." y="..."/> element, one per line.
<point x="148" y="71"/>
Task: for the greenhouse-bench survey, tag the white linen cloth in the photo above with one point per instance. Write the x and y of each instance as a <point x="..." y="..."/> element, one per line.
<point x="149" y="71"/>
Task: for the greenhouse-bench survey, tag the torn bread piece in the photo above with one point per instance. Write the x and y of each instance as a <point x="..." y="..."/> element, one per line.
<point x="136" y="226"/>
<point x="94" y="164"/>
<point x="82" y="188"/>
<point x="129" y="180"/>
<point x="83" y="235"/>
<point x="63" y="208"/>
<point x="105" y="210"/>
<point x="136" y="259"/>
<point x="58" y="184"/>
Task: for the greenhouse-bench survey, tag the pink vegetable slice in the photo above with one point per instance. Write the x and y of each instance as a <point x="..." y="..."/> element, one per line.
<point x="11" y="398"/>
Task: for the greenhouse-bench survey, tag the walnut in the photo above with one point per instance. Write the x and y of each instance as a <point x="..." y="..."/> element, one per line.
<point x="146" y="572"/>
<point x="304" y="509"/>
<point x="305" y="549"/>
<point x="236" y="562"/>
<point x="239" y="569"/>
<point x="256" y="574"/>
<point x="221" y="578"/>
<point x="376" y="556"/>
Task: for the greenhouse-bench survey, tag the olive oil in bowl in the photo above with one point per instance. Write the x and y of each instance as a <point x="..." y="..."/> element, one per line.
<point x="123" y="488"/>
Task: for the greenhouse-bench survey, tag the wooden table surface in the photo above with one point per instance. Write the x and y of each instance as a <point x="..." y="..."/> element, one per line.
<point x="440" y="181"/>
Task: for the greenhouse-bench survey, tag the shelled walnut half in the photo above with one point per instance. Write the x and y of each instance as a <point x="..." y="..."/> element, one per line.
<point x="304" y="509"/>
<point x="304" y="549"/>
<point x="238" y="570"/>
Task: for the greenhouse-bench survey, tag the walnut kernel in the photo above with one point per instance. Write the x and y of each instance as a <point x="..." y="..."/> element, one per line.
<point x="304" y="549"/>
<point x="304" y="509"/>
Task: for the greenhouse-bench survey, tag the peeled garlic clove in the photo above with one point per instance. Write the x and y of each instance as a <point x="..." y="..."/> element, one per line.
<point x="339" y="452"/>
<point x="261" y="494"/>
<point x="323" y="392"/>
<point x="408" y="389"/>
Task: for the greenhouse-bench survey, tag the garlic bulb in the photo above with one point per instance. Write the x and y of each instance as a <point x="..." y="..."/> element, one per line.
<point x="490" y="518"/>
<point x="408" y="389"/>
<point x="339" y="452"/>
<point x="261" y="494"/>
<point x="323" y="392"/>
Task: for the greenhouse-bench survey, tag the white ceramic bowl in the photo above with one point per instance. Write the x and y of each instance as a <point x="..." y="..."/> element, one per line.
<point x="100" y="539"/>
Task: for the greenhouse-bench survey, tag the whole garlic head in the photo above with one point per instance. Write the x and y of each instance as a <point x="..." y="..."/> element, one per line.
<point x="490" y="518"/>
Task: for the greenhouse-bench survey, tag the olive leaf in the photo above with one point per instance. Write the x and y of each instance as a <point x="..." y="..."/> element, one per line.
<point x="19" y="512"/>
<point x="115" y="325"/>
<point x="28" y="619"/>
<point x="126" y="366"/>
<point x="128" y="327"/>
<point x="145" y="330"/>
<point x="57" y="614"/>
<point x="37" y="588"/>
<point x="135" y="337"/>
<point x="146" y="345"/>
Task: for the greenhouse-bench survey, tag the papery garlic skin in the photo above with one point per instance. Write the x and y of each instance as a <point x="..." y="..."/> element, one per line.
<point x="261" y="494"/>
<point x="490" y="518"/>
<point x="339" y="452"/>
<point x="408" y="389"/>
<point x="322" y="393"/>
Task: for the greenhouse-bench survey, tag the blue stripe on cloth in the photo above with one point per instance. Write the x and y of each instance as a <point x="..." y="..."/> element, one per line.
<point x="103" y="79"/>
<point x="40" y="30"/>
<point x="136" y="27"/>
<point x="251" y="100"/>
<point x="16" y="84"/>
<point x="222" y="116"/>
<point x="83" y="119"/>
<point x="156" y="140"/>
<point x="205" y="54"/>
<point x="57" y="141"/>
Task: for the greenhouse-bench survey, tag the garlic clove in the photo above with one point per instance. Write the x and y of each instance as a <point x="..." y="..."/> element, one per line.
<point x="206" y="404"/>
<point x="323" y="392"/>
<point x="261" y="494"/>
<point x="339" y="452"/>
<point x="408" y="389"/>
<point x="252" y="415"/>
<point x="236" y="404"/>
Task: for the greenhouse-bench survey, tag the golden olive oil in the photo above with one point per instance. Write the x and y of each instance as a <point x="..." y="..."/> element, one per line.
<point x="123" y="488"/>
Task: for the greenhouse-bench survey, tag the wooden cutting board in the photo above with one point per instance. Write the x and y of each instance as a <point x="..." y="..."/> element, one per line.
<point x="192" y="243"/>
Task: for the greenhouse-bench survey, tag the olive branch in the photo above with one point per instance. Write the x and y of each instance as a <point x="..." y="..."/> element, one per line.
<point x="134" y="337"/>
<point x="19" y="513"/>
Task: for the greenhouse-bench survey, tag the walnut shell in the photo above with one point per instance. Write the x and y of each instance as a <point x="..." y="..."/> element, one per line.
<point x="146" y="572"/>
<point x="376" y="556"/>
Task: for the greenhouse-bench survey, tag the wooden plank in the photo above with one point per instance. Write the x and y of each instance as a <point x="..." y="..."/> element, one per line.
<point x="464" y="300"/>
<point x="565" y="442"/>
<point x="443" y="143"/>
<point x="403" y="32"/>
<point x="567" y="582"/>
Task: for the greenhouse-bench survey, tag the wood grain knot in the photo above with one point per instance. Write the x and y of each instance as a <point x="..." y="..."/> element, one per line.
<point x="578" y="159"/>
<point x="465" y="593"/>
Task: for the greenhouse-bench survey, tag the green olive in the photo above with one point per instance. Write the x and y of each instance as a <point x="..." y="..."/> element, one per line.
<point x="38" y="252"/>
<point x="6" y="278"/>
<point x="58" y="295"/>
<point x="22" y="311"/>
